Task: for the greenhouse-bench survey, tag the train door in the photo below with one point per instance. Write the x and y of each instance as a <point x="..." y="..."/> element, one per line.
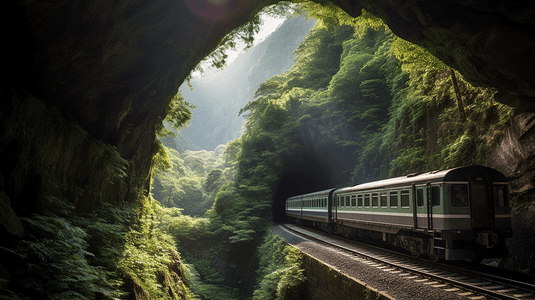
<point x="334" y="208"/>
<point x="302" y="204"/>
<point x="414" y="207"/>
<point x="429" y="206"/>
<point x="330" y="213"/>
<point x="480" y="204"/>
<point x="421" y="206"/>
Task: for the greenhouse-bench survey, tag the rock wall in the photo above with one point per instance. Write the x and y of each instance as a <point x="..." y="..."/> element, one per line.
<point x="325" y="283"/>
<point x="490" y="42"/>
<point x="515" y="156"/>
<point x="523" y="242"/>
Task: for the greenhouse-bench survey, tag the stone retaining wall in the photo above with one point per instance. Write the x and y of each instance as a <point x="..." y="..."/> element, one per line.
<point x="326" y="283"/>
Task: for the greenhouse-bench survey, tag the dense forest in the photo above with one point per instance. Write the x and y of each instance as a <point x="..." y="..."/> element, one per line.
<point x="358" y="104"/>
<point x="363" y="105"/>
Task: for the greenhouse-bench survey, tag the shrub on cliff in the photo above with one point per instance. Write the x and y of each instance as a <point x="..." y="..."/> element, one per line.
<point x="280" y="272"/>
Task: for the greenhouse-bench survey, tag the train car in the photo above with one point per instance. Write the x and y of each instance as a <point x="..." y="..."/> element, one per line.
<point x="455" y="214"/>
<point x="312" y="206"/>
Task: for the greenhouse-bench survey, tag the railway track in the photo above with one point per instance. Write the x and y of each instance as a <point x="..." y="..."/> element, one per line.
<point x="461" y="281"/>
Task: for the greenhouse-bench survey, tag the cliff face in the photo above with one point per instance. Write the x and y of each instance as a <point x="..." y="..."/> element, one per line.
<point x="112" y="67"/>
<point x="490" y="42"/>
<point x="515" y="156"/>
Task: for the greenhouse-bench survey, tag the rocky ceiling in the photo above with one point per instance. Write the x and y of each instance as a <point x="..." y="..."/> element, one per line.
<point x="113" y="65"/>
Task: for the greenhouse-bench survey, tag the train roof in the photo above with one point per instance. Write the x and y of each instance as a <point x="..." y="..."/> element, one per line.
<point x="313" y="194"/>
<point x="454" y="174"/>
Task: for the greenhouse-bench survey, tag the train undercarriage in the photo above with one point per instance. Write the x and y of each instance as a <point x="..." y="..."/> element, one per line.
<point x="435" y="244"/>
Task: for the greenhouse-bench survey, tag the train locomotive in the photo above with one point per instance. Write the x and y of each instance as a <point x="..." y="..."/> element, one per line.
<point x="455" y="214"/>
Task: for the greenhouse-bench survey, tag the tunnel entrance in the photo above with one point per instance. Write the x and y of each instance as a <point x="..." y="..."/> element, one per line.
<point x="302" y="173"/>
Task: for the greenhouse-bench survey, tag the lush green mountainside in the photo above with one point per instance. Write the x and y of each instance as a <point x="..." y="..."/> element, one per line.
<point x="358" y="105"/>
<point x="219" y="95"/>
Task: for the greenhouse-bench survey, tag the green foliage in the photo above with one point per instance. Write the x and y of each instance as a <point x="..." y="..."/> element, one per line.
<point x="177" y="115"/>
<point x="243" y="36"/>
<point x="146" y="254"/>
<point x="280" y="272"/>
<point x="193" y="179"/>
<point x="88" y="256"/>
<point x="209" y="291"/>
<point x="415" y="58"/>
<point x="178" y="112"/>
<point x="79" y="226"/>
<point x="179" y="226"/>
<point x="57" y="261"/>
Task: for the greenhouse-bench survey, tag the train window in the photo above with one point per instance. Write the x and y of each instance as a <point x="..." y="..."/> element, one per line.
<point x="383" y="200"/>
<point x="375" y="200"/>
<point x="340" y="202"/>
<point x="367" y="200"/>
<point x="435" y="195"/>
<point x="393" y="199"/>
<point x="405" y="199"/>
<point x="359" y="200"/>
<point x="347" y="201"/>
<point x="500" y="195"/>
<point x="459" y="195"/>
<point x="420" y="197"/>
<point x="353" y="200"/>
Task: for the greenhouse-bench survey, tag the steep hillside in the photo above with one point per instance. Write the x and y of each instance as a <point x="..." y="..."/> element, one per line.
<point x="219" y="95"/>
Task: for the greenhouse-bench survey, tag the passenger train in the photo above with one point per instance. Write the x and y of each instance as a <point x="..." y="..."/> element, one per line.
<point x="456" y="214"/>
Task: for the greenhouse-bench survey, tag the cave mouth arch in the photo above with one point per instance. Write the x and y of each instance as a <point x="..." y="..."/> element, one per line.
<point x="302" y="173"/>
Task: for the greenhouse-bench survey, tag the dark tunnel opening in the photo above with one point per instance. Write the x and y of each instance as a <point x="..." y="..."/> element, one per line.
<point x="302" y="173"/>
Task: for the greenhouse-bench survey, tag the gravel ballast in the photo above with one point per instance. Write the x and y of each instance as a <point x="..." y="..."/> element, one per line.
<point x="390" y="283"/>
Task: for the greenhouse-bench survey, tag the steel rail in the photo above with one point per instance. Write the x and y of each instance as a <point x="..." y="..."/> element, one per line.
<point x="506" y="285"/>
